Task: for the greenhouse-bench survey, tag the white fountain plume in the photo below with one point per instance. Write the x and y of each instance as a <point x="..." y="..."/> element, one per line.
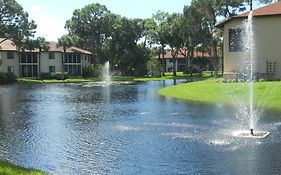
<point x="248" y="75"/>
<point x="251" y="52"/>
<point x="106" y="76"/>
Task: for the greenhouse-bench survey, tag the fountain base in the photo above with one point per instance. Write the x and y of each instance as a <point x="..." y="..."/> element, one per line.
<point x="251" y="134"/>
<point x="106" y="84"/>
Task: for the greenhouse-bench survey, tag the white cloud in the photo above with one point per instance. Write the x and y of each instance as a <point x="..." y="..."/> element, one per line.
<point x="48" y="26"/>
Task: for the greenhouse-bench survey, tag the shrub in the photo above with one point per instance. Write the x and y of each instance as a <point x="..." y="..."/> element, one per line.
<point x="58" y="76"/>
<point x="10" y="77"/>
<point x="91" y="71"/>
<point x="7" y="77"/>
<point x="229" y="81"/>
<point x="192" y="70"/>
<point x="153" y="67"/>
<point x="46" y="76"/>
<point x="2" y="77"/>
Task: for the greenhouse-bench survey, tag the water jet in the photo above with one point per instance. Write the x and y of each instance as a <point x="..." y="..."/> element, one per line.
<point x="247" y="73"/>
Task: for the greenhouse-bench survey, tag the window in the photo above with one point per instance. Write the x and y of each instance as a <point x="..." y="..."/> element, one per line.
<point x="11" y="69"/>
<point x="52" y="69"/>
<point x="235" y="40"/>
<point x="34" y="58"/>
<point x="51" y="55"/>
<point x="29" y="58"/>
<point x="78" y="58"/>
<point x="10" y="55"/>
<point x="23" y="58"/>
<point x="69" y="58"/>
<point x="74" y="58"/>
<point x="270" y="67"/>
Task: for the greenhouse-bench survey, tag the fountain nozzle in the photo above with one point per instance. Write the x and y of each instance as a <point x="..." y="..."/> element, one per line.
<point x="252" y="132"/>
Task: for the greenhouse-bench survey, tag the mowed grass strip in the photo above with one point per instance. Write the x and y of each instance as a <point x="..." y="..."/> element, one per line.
<point x="8" y="168"/>
<point x="266" y="94"/>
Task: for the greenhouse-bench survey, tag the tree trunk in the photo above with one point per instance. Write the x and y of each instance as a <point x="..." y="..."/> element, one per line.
<point x="251" y="5"/>
<point x="190" y="59"/>
<point x="174" y="66"/>
<point x="63" y="60"/>
<point x="174" y="55"/>
<point x="214" y="52"/>
<point x="163" y="62"/>
<point x="39" y="62"/>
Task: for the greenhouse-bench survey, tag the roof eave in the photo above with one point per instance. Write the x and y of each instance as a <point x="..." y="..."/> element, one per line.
<point x="221" y="24"/>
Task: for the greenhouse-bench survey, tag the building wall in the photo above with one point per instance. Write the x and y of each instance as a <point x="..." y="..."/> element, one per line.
<point x="45" y="62"/>
<point x="267" y="44"/>
<point x="9" y="62"/>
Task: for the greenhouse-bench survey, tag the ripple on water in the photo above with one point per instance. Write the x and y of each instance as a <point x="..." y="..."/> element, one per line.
<point x="124" y="128"/>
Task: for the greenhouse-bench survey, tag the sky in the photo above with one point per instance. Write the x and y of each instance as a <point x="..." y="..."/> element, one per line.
<point x="51" y="15"/>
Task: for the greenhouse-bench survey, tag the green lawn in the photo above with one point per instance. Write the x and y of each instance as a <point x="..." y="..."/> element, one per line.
<point x="180" y="75"/>
<point x="168" y="75"/>
<point x="7" y="168"/>
<point x="266" y="94"/>
<point x="69" y="80"/>
<point x="73" y="80"/>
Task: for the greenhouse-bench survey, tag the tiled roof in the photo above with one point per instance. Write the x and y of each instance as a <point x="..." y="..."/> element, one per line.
<point x="269" y="10"/>
<point x="8" y="45"/>
<point x="272" y="9"/>
<point x="76" y="49"/>
<point x="168" y="54"/>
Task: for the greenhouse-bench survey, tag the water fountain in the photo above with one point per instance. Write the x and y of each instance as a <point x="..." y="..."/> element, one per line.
<point x="106" y="76"/>
<point x="247" y="70"/>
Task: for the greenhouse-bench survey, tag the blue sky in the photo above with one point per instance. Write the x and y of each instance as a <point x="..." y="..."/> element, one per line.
<point x="50" y="15"/>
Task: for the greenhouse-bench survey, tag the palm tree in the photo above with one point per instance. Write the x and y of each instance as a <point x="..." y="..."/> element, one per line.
<point x="42" y="45"/>
<point x="66" y="42"/>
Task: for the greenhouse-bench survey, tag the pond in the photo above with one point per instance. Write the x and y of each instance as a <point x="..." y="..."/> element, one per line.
<point x="71" y="129"/>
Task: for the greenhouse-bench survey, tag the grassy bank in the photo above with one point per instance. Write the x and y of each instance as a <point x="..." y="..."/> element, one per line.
<point x="180" y="75"/>
<point x="266" y="94"/>
<point x="7" y="168"/>
<point x="73" y="80"/>
<point x="168" y="76"/>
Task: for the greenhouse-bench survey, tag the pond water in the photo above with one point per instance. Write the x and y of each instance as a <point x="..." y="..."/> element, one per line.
<point x="70" y="129"/>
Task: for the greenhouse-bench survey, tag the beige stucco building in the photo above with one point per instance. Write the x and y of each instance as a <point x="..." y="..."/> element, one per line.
<point x="267" y="37"/>
<point x="32" y="64"/>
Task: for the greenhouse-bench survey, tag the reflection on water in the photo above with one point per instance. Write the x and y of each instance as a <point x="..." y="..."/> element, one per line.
<point x="70" y="129"/>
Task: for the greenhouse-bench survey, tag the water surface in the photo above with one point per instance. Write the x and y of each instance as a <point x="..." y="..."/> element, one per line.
<point x="69" y="129"/>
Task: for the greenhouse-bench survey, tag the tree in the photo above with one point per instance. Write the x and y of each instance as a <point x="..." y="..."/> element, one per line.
<point x="193" y="33"/>
<point x="122" y="47"/>
<point x="158" y="33"/>
<point x="89" y="28"/>
<point x="210" y="11"/>
<point x="65" y="42"/>
<point x="14" y="23"/>
<point x="174" y="40"/>
<point x="250" y="2"/>
<point x="153" y="65"/>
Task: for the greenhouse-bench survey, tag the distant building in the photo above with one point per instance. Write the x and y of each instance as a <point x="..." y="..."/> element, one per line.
<point x="200" y="59"/>
<point x="267" y="28"/>
<point x="27" y="64"/>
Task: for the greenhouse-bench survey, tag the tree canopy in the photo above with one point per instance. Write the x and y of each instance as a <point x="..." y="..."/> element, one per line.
<point x="129" y="43"/>
<point x="14" y="22"/>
